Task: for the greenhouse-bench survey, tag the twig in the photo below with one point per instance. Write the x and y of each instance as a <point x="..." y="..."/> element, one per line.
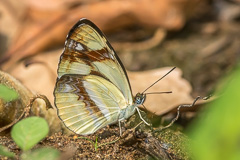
<point x="178" y="113"/>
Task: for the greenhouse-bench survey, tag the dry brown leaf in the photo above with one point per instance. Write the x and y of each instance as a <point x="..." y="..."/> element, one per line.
<point x="50" y="31"/>
<point x="48" y="5"/>
<point x="10" y="14"/>
<point x="40" y="76"/>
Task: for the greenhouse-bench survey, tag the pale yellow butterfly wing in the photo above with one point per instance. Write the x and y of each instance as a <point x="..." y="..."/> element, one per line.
<point x="92" y="88"/>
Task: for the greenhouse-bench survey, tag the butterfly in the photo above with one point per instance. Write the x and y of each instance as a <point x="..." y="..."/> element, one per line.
<point x="92" y="88"/>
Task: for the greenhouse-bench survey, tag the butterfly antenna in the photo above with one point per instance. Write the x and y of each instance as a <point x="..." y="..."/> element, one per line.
<point x="158" y="92"/>
<point x="159" y="79"/>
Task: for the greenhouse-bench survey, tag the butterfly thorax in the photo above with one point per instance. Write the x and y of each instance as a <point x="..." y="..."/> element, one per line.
<point x="130" y="110"/>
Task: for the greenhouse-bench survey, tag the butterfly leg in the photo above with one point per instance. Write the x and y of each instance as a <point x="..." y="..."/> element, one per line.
<point x="120" y="127"/>
<point x="142" y="117"/>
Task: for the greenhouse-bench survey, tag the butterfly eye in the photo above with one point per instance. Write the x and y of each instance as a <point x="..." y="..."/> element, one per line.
<point x="138" y="99"/>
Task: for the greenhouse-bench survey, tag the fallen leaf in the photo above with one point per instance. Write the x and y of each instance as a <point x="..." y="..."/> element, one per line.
<point x="49" y="31"/>
<point x="10" y="13"/>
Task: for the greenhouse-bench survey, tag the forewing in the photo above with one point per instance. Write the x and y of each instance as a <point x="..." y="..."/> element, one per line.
<point x="87" y="103"/>
<point x="87" y="52"/>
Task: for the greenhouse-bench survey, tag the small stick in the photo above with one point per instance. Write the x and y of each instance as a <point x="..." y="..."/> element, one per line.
<point x="178" y="113"/>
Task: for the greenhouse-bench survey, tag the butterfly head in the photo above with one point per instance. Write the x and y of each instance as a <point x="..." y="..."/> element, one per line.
<point x="140" y="98"/>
